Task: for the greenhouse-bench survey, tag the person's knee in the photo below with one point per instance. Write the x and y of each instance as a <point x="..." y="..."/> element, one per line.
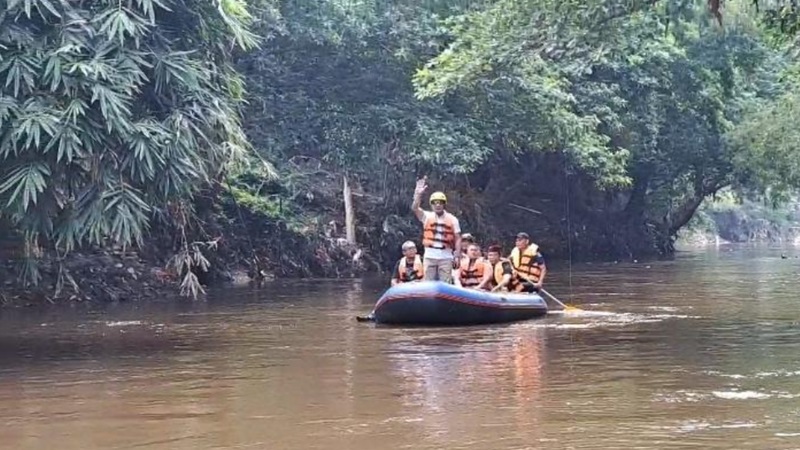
<point x="431" y="271"/>
<point x="446" y="271"/>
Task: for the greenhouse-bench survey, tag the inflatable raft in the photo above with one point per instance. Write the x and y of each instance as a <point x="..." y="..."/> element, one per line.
<point x="438" y="303"/>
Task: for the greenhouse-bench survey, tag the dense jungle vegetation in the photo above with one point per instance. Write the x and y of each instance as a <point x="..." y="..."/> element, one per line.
<point x="160" y="142"/>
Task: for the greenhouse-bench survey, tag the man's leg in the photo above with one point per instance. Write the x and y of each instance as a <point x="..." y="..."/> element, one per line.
<point x="445" y="267"/>
<point x="430" y="268"/>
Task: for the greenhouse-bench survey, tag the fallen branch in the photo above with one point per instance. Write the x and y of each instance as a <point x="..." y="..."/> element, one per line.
<point x="361" y="194"/>
<point x="524" y="208"/>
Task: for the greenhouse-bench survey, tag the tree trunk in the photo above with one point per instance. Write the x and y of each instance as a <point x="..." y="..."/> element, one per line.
<point x="349" y="213"/>
<point x="684" y="214"/>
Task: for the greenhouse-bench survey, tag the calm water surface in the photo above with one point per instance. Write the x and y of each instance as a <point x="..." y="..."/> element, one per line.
<point x="700" y="352"/>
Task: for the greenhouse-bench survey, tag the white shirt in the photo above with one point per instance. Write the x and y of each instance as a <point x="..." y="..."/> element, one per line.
<point x="440" y="253"/>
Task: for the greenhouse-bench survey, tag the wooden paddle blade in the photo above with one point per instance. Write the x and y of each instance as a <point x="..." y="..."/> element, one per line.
<point x="365" y="318"/>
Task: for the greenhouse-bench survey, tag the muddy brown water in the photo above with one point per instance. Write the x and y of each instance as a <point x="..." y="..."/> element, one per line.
<point x="699" y="352"/>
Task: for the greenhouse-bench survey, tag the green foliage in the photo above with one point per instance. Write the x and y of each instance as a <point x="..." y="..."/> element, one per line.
<point x="113" y="114"/>
<point x="256" y="203"/>
<point x="191" y="258"/>
<point x="768" y="160"/>
<point x="108" y="110"/>
<point x="636" y="93"/>
<point x="537" y="51"/>
<point x="780" y="21"/>
<point x="355" y="107"/>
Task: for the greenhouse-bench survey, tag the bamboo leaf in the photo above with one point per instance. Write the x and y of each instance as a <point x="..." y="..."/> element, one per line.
<point x="26" y="182"/>
<point x="49" y="6"/>
<point x="97" y="130"/>
<point x="128" y="214"/>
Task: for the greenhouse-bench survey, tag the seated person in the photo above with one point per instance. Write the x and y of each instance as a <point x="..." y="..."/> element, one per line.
<point x="472" y="271"/>
<point x="466" y="240"/>
<point x="528" y="263"/>
<point x="499" y="275"/>
<point x="409" y="267"/>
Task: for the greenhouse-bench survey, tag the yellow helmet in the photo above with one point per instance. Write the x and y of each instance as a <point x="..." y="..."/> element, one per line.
<point x="438" y="196"/>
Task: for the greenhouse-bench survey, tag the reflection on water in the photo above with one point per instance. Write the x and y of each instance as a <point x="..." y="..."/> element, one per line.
<point x="699" y="352"/>
<point x="442" y="374"/>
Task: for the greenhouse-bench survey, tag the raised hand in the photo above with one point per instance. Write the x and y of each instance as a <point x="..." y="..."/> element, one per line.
<point x="422" y="184"/>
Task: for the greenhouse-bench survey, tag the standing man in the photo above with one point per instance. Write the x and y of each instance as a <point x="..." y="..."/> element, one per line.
<point x="441" y="235"/>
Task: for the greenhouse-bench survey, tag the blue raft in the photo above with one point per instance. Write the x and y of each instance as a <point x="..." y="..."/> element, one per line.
<point x="438" y="303"/>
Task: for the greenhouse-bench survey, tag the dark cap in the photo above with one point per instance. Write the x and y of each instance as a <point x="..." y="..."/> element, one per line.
<point x="523" y="236"/>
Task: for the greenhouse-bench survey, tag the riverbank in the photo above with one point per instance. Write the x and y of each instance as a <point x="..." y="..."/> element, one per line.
<point x="729" y="219"/>
<point x="247" y="236"/>
<point x="104" y="276"/>
<point x="246" y="242"/>
<point x="237" y="243"/>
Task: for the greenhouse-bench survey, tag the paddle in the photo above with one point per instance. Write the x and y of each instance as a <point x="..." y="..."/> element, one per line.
<point x="553" y="298"/>
<point x="368" y="318"/>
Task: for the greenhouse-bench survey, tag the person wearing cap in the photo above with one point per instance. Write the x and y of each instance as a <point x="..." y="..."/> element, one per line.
<point x="528" y="263"/>
<point x="441" y="235"/>
<point x="409" y="267"/>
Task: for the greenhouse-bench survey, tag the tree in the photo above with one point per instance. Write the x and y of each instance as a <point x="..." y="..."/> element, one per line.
<point x="333" y="86"/>
<point x="112" y="114"/>
<point x="656" y="87"/>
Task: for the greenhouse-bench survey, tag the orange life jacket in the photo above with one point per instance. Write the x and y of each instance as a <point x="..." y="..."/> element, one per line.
<point x="406" y="273"/>
<point x="514" y="285"/>
<point x="436" y="234"/>
<point x="525" y="263"/>
<point x="472" y="274"/>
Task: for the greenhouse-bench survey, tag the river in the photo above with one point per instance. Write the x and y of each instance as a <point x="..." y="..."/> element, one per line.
<point x="698" y="352"/>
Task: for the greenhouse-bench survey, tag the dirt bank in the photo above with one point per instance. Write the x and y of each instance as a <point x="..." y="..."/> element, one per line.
<point x="256" y="237"/>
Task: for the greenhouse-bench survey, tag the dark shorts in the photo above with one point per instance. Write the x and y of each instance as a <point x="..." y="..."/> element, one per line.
<point x="527" y="286"/>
